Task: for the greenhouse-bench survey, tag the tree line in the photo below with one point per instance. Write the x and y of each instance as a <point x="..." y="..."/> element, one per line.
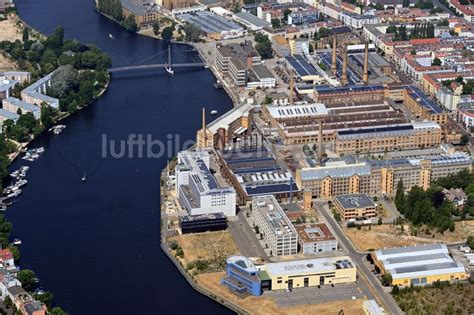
<point x="430" y="207"/>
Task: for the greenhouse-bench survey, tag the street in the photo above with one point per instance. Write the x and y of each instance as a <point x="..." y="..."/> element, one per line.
<point x="369" y="279"/>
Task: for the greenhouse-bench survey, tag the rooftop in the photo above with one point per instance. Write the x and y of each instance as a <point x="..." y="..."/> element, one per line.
<point x="252" y="19"/>
<point x="274" y="215"/>
<point x="301" y="65"/>
<point x="310" y="233"/>
<point x="23" y="105"/>
<point x="352" y="201"/>
<point x="8" y="115"/>
<point x="209" y="22"/>
<point x="309" y="266"/>
<point x="279" y="112"/>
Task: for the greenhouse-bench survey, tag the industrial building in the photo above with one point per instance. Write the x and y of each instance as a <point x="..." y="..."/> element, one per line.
<point x="388" y="138"/>
<point x="303" y="69"/>
<point x="212" y="25"/>
<point x="224" y="129"/>
<point x="198" y="190"/>
<point x="253" y="171"/>
<point x="251" y="21"/>
<point x="143" y="14"/>
<point x="422" y="106"/>
<point x="419" y="265"/>
<point x="357" y="94"/>
<point x="307" y="273"/>
<point x="355" y="206"/>
<point x="349" y="174"/>
<point x="300" y="123"/>
<point x="278" y="232"/>
<point x="315" y="238"/>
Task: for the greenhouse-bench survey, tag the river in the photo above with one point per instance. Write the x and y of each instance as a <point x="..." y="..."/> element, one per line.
<point x="96" y="244"/>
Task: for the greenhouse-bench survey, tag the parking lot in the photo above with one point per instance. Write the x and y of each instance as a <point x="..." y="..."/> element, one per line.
<point x="459" y="256"/>
<point x="315" y="295"/>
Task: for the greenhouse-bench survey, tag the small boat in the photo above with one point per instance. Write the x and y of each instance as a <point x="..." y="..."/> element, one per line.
<point x="169" y="70"/>
<point x="15" y="174"/>
<point x="213" y="112"/>
<point x="3" y="208"/>
<point x="111" y="36"/>
<point x="40" y="150"/>
<point x="24" y="168"/>
<point x="84" y="177"/>
<point x="16" y="241"/>
<point x="218" y="85"/>
<point x="21" y="183"/>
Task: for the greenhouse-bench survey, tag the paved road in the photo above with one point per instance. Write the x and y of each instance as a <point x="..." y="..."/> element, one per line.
<point x="369" y="279"/>
<point x="245" y="238"/>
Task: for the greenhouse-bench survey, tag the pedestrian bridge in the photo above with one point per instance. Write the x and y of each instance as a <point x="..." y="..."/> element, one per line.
<point x="169" y="66"/>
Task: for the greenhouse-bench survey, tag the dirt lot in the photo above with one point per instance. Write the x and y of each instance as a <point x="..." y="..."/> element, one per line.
<point x="453" y="299"/>
<point x="387" y="235"/>
<point x="266" y="306"/>
<point x="11" y="32"/>
<point x="214" y="247"/>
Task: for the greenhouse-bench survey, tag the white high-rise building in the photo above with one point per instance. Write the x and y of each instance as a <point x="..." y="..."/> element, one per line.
<point x="198" y="189"/>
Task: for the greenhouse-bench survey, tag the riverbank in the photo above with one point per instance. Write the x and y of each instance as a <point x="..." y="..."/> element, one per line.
<point x="192" y="280"/>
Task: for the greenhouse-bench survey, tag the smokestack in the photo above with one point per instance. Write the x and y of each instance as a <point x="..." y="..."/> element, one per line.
<point x="320" y="141"/>
<point x="365" y="75"/>
<point x="204" y="126"/>
<point x="334" y="55"/>
<point x="292" y="85"/>
<point x="344" y="66"/>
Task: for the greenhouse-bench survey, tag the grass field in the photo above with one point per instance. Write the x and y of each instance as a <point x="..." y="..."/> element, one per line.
<point x="453" y="299"/>
<point x="266" y="306"/>
<point x="212" y="247"/>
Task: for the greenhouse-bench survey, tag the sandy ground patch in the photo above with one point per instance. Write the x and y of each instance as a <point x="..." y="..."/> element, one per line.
<point x="9" y="31"/>
<point x="387" y="235"/>
<point x="266" y="306"/>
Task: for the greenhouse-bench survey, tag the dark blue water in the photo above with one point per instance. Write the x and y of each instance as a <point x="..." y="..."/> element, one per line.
<point x="95" y="244"/>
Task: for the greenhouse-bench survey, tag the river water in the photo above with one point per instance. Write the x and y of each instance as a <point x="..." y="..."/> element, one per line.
<point x="95" y="244"/>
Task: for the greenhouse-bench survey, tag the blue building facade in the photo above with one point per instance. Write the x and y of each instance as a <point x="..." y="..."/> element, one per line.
<point x="242" y="276"/>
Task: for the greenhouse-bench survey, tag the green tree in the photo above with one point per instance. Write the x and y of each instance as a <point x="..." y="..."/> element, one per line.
<point x="57" y="311"/>
<point x="193" y="32"/>
<point x="156" y="28"/>
<point x="26" y="34"/>
<point x="27" y="121"/>
<point x="464" y="139"/>
<point x="387" y="279"/>
<point x="400" y="196"/>
<point x="436" y="62"/>
<point x="167" y="33"/>
<point x="129" y="23"/>
<point x="47" y="115"/>
<point x="27" y="278"/>
<point x="46" y="298"/>
<point x="7" y="302"/>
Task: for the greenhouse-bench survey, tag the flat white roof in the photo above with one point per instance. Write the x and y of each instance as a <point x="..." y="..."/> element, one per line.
<point x="295" y="111"/>
<point x="309" y="265"/>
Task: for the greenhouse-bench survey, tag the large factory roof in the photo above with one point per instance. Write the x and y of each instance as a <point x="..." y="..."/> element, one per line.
<point x="301" y="65"/>
<point x="428" y="269"/>
<point x="335" y="170"/>
<point x="407" y="251"/>
<point x="394" y="130"/>
<point x="209" y="22"/>
<point x="252" y="19"/>
<point x="279" y="112"/>
<point x="306" y="266"/>
<point x="328" y="89"/>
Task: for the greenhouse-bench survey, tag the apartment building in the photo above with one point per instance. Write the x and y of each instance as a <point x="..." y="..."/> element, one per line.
<point x="14" y="105"/>
<point x="278" y="232"/>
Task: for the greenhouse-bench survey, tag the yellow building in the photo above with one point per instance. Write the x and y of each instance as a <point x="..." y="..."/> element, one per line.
<point x="307" y="273"/>
<point x="420" y="105"/>
<point x="355" y="206"/>
<point x="419" y="265"/>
